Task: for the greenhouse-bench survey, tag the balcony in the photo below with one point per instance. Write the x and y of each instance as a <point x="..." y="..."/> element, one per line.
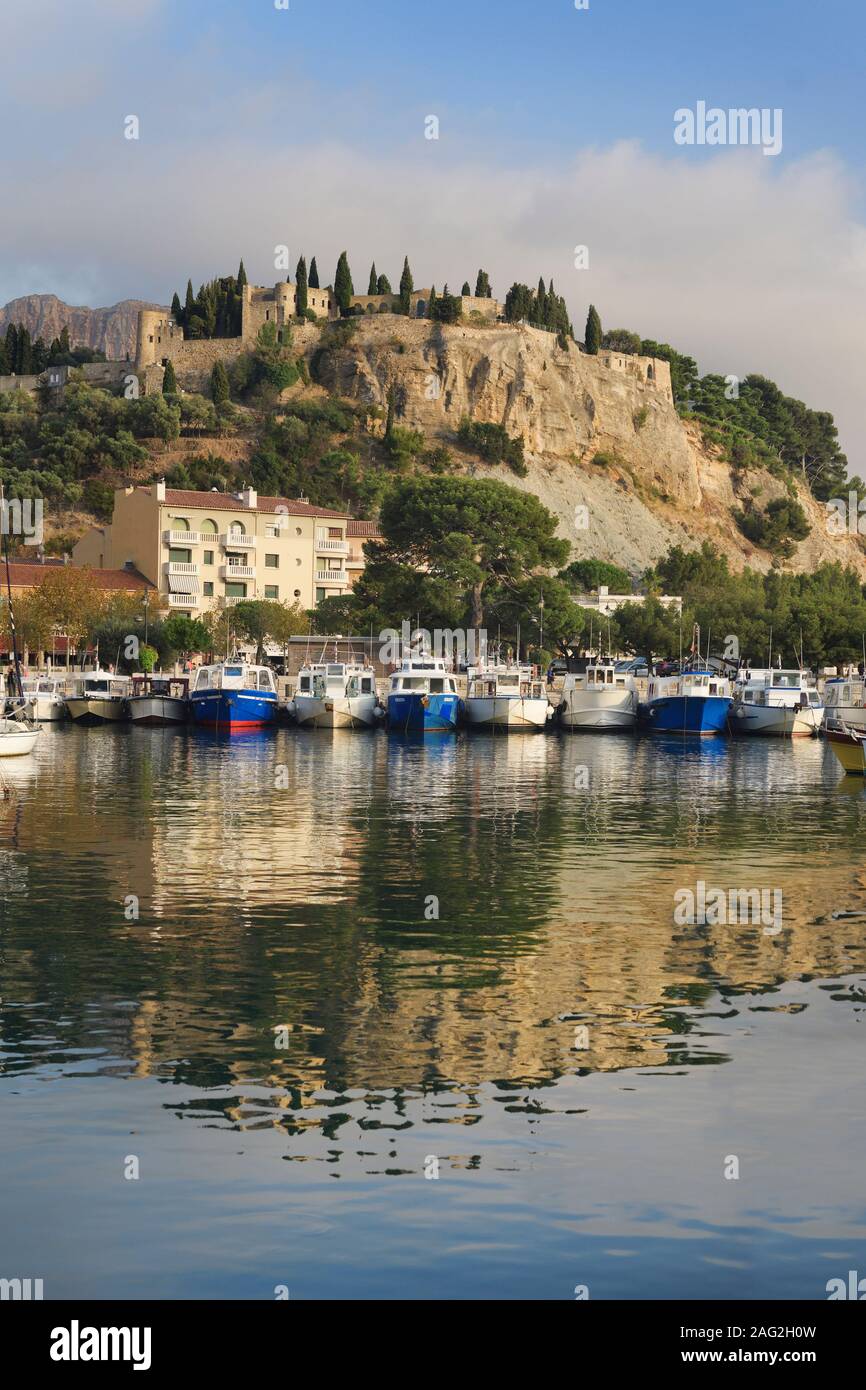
<point x="332" y="547"/>
<point x="236" y="540"/>
<point x="183" y="600"/>
<point x="237" y="598"/>
<point x="331" y="577"/>
<point x="180" y="567"/>
<point x="237" y="572"/>
<point x="181" y="537"/>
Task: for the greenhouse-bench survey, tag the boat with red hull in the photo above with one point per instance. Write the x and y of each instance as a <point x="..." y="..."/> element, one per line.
<point x="234" y="695"/>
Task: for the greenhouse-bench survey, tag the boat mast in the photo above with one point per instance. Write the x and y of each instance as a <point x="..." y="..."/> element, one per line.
<point x="4" y="529"/>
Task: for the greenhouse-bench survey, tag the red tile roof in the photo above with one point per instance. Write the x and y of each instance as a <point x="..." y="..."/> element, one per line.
<point x="363" y="528"/>
<point x="180" y="498"/>
<point x="26" y="575"/>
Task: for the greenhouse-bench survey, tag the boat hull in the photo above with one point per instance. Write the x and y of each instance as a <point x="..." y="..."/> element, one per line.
<point x="43" y="709"/>
<point x="340" y="712"/>
<point x="775" y="721"/>
<point x="852" y="715"/>
<point x="688" y="714"/>
<point x="426" y="714"/>
<point x="157" y="710"/>
<point x="84" y="709"/>
<point x="599" y="710"/>
<point x="849" y="750"/>
<point x="16" y="742"/>
<point x="233" y="709"/>
<point x="507" y="712"/>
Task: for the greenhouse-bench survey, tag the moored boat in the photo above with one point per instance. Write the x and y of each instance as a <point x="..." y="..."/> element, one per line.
<point x="506" y="696"/>
<point x="336" y="695"/>
<point x="234" y="695"/>
<point x="693" y="701"/>
<point x="159" y="700"/>
<point x="99" y="697"/>
<point x="849" y="745"/>
<point x="845" y="701"/>
<point x="422" y="697"/>
<point x="776" y="704"/>
<point x="17" y="737"/>
<point x="43" y="698"/>
<point x="601" y="697"/>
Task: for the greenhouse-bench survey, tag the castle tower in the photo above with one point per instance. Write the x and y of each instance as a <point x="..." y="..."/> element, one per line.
<point x="155" y="336"/>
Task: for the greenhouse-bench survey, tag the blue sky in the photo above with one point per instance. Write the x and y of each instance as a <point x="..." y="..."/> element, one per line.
<point x="305" y="127"/>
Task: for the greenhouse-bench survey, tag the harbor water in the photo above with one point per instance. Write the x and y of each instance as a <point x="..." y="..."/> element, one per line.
<point x="362" y="1016"/>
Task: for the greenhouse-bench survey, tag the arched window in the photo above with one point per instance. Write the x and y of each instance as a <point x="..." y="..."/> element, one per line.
<point x="237" y="528"/>
<point x="421" y="309"/>
<point x="209" y="528"/>
<point x="650" y="372"/>
<point x="179" y="523"/>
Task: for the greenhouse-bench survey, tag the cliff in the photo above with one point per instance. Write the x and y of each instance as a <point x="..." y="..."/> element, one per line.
<point x="653" y="483"/>
<point x="111" y="330"/>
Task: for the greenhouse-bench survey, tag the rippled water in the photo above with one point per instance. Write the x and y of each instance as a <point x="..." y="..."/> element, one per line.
<point x="288" y="1036"/>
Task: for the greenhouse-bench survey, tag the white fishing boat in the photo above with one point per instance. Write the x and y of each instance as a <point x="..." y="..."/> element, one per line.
<point x="43" y="699"/>
<point x="99" y="697"/>
<point x="17" y="737"/>
<point x="601" y="697"/>
<point x="845" y="702"/>
<point x="336" y="695"/>
<point x="776" y="704"/>
<point x="159" y="699"/>
<point x="507" y="697"/>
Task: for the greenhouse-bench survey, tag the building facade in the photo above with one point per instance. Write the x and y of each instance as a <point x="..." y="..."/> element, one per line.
<point x="206" y="550"/>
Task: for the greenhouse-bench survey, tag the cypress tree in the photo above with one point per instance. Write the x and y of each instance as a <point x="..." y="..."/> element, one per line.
<point x="65" y="345"/>
<point x="592" y="334"/>
<point x="4" y="365"/>
<point x="219" y="383"/>
<point x="407" y="285"/>
<point x="169" y="380"/>
<point x="24" y="365"/>
<point x="176" y="310"/>
<point x="466" y="290"/>
<point x="482" y="286"/>
<point x="431" y="303"/>
<point x="314" y="275"/>
<point x="343" y="287"/>
<point x="301" y="283"/>
<point x="11" y="345"/>
<point x="384" y="285"/>
<point x="241" y="275"/>
<point x="189" y="304"/>
<point x="372" y="288"/>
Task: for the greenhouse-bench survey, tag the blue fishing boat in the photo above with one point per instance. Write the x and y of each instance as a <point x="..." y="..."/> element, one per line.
<point x="234" y="695"/>
<point x="422" y="697"/>
<point x="694" y="701"/>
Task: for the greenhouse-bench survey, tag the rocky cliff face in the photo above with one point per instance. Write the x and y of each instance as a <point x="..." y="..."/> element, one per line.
<point x="111" y="331"/>
<point x="606" y="451"/>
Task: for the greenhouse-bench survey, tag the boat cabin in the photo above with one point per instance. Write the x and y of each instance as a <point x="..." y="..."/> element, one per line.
<point x="336" y="678"/>
<point x="235" y="675"/>
<point x="507" y="682"/>
<point x="694" y="684"/>
<point x="103" y="684"/>
<point x="423" y="675"/>
<point x="847" y="691"/>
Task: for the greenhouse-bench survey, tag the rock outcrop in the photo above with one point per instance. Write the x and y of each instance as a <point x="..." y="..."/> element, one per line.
<point x="111" y="330"/>
<point x="605" y="448"/>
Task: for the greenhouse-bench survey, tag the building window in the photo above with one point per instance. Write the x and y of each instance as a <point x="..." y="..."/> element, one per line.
<point x="234" y="589"/>
<point x="272" y="562"/>
<point x="298" y="531"/>
<point x="209" y="528"/>
<point x="272" y="591"/>
<point x="334" y="533"/>
<point x="207" y="588"/>
<point x="334" y="565"/>
<point x="208" y="557"/>
<point x="179" y="556"/>
<point x="320" y="594"/>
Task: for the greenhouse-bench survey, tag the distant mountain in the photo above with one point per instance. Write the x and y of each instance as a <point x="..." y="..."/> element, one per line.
<point x="111" y="331"/>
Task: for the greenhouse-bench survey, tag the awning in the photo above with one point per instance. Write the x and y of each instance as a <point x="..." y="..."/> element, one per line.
<point x="183" y="583"/>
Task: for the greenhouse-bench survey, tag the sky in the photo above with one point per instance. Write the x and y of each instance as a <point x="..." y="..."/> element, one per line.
<point x="306" y="126"/>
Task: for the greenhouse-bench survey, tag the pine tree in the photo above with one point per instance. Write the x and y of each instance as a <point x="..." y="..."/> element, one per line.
<point x="373" y="287"/>
<point x="466" y="290"/>
<point x="384" y="285"/>
<point x="241" y="275"/>
<point x="407" y="285"/>
<point x="176" y="309"/>
<point x="314" y="275"/>
<point x="592" y="334"/>
<point x="219" y="384"/>
<point x="24" y="361"/>
<point x="431" y="303"/>
<point x="301" y="283"/>
<point x="169" y="380"/>
<point x="482" y="286"/>
<point x="343" y="287"/>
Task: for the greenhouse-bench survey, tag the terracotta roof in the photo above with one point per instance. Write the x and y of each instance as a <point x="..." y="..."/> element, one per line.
<point x="25" y="575"/>
<point x="229" y="501"/>
<point x="363" y="528"/>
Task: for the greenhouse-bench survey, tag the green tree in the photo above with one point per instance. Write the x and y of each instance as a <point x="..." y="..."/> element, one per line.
<point x="314" y="275"/>
<point x="621" y="340"/>
<point x="177" y="309"/>
<point x="241" y="277"/>
<point x="649" y="629"/>
<point x="373" y="286"/>
<point x="586" y="576"/>
<point x="343" y="287"/>
<point x="301" y="282"/>
<point x="219" y="384"/>
<point x="383" y="285"/>
<point x="186" y="636"/>
<point x="466" y="290"/>
<point x="592" y="333"/>
<point x="189" y="304"/>
<point x="169" y="380"/>
<point x="482" y="286"/>
<point x="407" y="286"/>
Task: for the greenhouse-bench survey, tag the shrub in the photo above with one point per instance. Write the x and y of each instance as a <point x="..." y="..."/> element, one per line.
<point x="494" y="443"/>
